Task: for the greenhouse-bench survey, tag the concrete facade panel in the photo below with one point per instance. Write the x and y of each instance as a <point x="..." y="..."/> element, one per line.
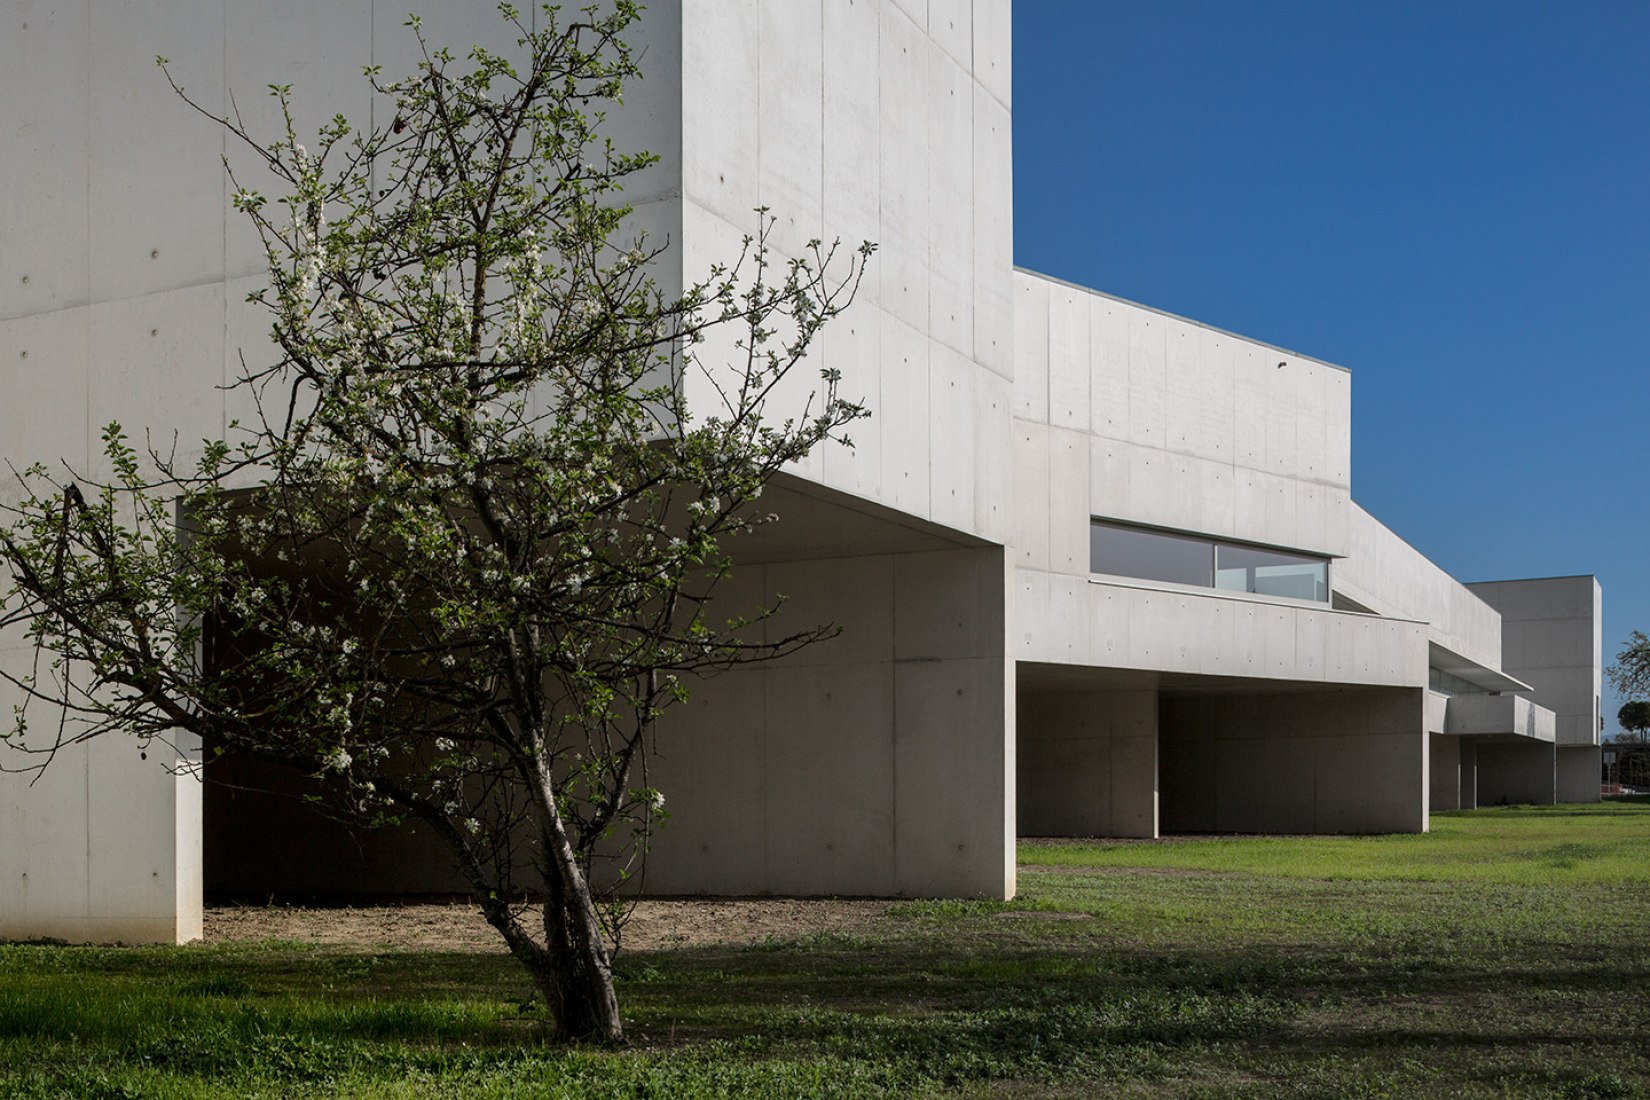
<point x="1552" y="640"/>
<point x="156" y="365"/>
<point x="1031" y="479"/>
<point x="1516" y="772"/>
<point x="1579" y="773"/>
<point x="904" y="158"/>
<point x="1108" y="363"/>
<point x="1347" y="761"/>
<point x="951" y="250"/>
<point x="855" y="348"/>
<point x="157" y="223"/>
<point x="852" y="152"/>
<point x="954" y="771"/>
<point x="903" y="414"/>
<point x="951" y="24"/>
<point x="994" y="453"/>
<point x="1148" y="384"/>
<point x="952" y="430"/>
<point x="1387" y="575"/>
<point x="830" y="814"/>
<point x="790" y="122"/>
<point x="1068" y="495"/>
<point x="1031" y="349"/>
<point x="1068" y="359"/>
<point x="44" y="170"/>
<point x="721" y="47"/>
<point x="44" y="375"/>
<point x="1087" y="764"/>
<point x="93" y="851"/>
<point x="993" y="234"/>
<point x="993" y="40"/>
<point x="1202" y="631"/>
<point x="711" y="763"/>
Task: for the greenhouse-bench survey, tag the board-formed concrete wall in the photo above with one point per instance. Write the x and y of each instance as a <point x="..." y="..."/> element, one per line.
<point x="1353" y="760"/>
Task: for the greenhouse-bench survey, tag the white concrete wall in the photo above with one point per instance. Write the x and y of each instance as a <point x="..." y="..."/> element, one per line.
<point x="1551" y="639"/>
<point x="1515" y="772"/>
<point x="105" y="845"/>
<point x="1126" y="413"/>
<point x="888" y="121"/>
<point x="1390" y="577"/>
<point x="881" y="762"/>
<point x="1580" y="773"/>
<point x="124" y="273"/>
<point x="1066" y="619"/>
<point x="1498" y="714"/>
<point x="1347" y="761"/>
<point x="1087" y="763"/>
<point x="875" y="763"/>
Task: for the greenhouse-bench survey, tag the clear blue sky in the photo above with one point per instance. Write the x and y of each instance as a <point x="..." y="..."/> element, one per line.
<point x="1450" y="199"/>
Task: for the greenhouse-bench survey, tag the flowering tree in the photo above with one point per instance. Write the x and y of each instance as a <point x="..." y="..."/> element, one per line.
<point x="1630" y="674"/>
<point x="462" y="558"/>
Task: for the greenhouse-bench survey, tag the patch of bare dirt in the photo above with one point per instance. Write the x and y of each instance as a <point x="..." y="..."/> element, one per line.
<point x="458" y="925"/>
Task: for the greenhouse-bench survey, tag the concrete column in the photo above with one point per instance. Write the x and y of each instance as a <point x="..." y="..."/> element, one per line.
<point x="1513" y="772"/>
<point x="1469" y="773"/>
<point x="1579" y="773"/>
<point x="1446" y="771"/>
<point x="1088" y="764"/>
<point x="105" y="847"/>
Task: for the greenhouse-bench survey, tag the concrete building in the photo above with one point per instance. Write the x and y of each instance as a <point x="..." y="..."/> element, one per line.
<point x="1098" y="569"/>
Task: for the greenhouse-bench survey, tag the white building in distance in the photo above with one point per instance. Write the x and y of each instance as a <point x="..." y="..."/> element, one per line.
<point x="1098" y="569"/>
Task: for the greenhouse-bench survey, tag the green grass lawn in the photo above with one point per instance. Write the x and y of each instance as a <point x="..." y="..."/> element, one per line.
<point x="1505" y="954"/>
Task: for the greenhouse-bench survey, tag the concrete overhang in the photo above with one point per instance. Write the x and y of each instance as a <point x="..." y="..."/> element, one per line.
<point x="820" y="522"/>
<point x="1471" y="671"/>
<point x="1510" y="717"/>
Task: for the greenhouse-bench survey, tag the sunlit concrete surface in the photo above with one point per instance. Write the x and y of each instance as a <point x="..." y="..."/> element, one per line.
<point x="987" y="680"/>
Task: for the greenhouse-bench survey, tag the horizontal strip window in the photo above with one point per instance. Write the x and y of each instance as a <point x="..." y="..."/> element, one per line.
<point x="1124" y="551"/>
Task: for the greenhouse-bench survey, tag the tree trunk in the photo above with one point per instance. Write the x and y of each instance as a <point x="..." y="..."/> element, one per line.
<point x="578" y="956"/>
<point x="578" y="979"/>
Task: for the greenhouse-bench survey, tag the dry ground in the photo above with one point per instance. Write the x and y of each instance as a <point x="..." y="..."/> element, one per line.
<point x="457" y="925"/>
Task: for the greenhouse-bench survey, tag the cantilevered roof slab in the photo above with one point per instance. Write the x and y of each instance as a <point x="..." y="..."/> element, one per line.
<point x="1490" y="679"/>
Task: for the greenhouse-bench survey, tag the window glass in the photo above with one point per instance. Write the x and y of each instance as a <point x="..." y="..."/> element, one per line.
<point x="1124" y="551"/>
<point x="1150" y="555"/>
<point x="1271" y="573"/>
